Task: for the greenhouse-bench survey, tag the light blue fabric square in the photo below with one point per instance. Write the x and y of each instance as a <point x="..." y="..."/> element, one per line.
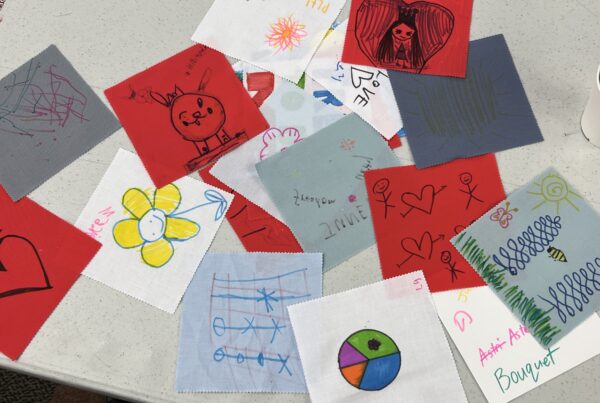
<point x="235" y="331"/>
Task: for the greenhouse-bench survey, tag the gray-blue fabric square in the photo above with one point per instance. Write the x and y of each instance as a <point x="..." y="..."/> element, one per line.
<point x="446" y="118"/>
<point x="319" y="188"/>
<point x="49" y="116"/>
<point x="538" y="250"/>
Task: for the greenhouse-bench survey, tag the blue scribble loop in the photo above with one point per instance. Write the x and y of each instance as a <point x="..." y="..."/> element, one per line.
<point x="533" y="240"/>
<point x="573" y="292"/>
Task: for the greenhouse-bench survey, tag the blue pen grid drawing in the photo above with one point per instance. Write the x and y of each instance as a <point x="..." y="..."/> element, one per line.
<point x="235" y="331"/>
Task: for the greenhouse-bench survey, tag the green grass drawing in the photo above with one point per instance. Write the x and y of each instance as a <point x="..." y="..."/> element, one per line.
<point x="537" y="320"/>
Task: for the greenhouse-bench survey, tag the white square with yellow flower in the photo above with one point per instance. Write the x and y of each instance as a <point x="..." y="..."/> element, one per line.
<point x="152" y="239"/>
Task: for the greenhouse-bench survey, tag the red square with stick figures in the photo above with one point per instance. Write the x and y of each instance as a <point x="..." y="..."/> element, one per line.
<point x="422" y="37"/>
<point x="185" y="113"/>
<point x="417" y="211"/>
<point x="41" y="256"/>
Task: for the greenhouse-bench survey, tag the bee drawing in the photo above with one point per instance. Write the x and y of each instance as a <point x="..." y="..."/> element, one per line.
<point x="557" y="254"/>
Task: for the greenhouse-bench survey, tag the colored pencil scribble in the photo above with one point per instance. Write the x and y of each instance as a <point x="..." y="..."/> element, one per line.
<point x="28" y="108"/>
<point x="286" y="34"/>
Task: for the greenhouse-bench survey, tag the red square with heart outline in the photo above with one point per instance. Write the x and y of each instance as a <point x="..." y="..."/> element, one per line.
<point x="417" y="211"/>
<point x="422" y="37"/>
<point x="185" y="112"/>
<point x="41" y="256"/>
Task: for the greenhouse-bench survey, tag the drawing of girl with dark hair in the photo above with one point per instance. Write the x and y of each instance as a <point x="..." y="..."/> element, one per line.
<point x="400" y="44"/>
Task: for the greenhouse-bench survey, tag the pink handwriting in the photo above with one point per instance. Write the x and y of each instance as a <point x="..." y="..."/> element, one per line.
<point x="96" y="227"/>
<point x="497" y="346"/>
<point x="459" y="319"/>
<point x="416" y="282"/>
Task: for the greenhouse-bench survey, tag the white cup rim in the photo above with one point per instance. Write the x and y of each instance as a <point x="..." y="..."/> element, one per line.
<point x="598" y="78"/>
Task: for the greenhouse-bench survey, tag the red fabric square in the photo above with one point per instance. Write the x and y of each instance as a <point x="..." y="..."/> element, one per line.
<point x="41" y="256"/>
<point x="185" y="112"/>
<point x="423" y="37"/>
<point x="417" y="211"/>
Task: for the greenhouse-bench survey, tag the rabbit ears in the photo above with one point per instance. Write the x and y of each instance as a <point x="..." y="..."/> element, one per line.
<point x="168" y="98"/>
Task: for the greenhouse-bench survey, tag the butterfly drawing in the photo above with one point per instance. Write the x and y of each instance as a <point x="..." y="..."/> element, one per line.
<point x="503" y="215"/>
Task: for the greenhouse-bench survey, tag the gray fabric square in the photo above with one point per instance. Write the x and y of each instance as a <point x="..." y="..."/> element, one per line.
<point x="49" y="116"/>
<point x="447" y="118"/>
<point x="318" y="186"/>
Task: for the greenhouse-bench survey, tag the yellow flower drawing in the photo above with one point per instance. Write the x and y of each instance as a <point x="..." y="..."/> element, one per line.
<point x="153" y="225"/>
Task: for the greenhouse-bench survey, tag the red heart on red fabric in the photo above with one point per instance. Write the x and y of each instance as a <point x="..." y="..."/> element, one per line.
<point x="21" y="268"/>
<point x="423" y="202"/>
<point x="422" y="249"/>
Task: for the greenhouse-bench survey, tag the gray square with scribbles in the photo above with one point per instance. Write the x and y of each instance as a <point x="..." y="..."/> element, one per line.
<point x="447" y="118"/>
<point x="49" y="116"/>
<point x="318" y="186"/>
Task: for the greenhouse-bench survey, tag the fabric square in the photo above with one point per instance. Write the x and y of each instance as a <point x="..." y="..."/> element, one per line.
<point x="538" y="250"/>
<point x="447" y="118"/>
<point x="381" y="342"/>
<point x="318" y="186"/>
<point x="505" y="360"/>
<point x="421" y="37"/>
<point x="278" y="36"/>
<point x="257" y="230"/>
<point x="41" y="257"/>
<point x="185" y="112"/>
<point x="235" y="331"/>
<point x="365" y="90"/>
<point x="416" y="212"/>
<point x="153" y="238"/>
<point x="49" y="117"/>
<point x="293" y="115"/>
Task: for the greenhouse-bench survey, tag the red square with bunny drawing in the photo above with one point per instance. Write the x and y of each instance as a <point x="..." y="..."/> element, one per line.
<point x="185" y="112"/>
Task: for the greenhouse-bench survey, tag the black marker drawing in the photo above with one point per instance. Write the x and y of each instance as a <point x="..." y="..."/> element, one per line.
<point x="402" y="36"/>
<point x="446" y="258"/>
<point x="467" y="179"/>
<point x="381" y="188"/>
<point x="423" y="202"/>
<point x="422" y="249"/>
<point x="13" y="283"/>
<point x="200" y="119"/>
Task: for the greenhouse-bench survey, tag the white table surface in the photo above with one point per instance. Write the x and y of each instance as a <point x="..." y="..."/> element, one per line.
<point x="101" y="339"/>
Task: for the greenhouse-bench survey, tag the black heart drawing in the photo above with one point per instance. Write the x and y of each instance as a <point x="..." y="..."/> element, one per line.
<point x="18" y="254"/>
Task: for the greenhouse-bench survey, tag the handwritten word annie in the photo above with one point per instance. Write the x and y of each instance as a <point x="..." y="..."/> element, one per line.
<point x="573" y="292"/>
<point x="318" y="4"/>
<point x="346" y="220"/>
<point x="529" y="371"/>
<point x="367" y="164"/>
<point x="99" y="223"/>
<point x="319" y="201"/>
<point x="535" y="239"/>
<point x="496" y="346"/>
